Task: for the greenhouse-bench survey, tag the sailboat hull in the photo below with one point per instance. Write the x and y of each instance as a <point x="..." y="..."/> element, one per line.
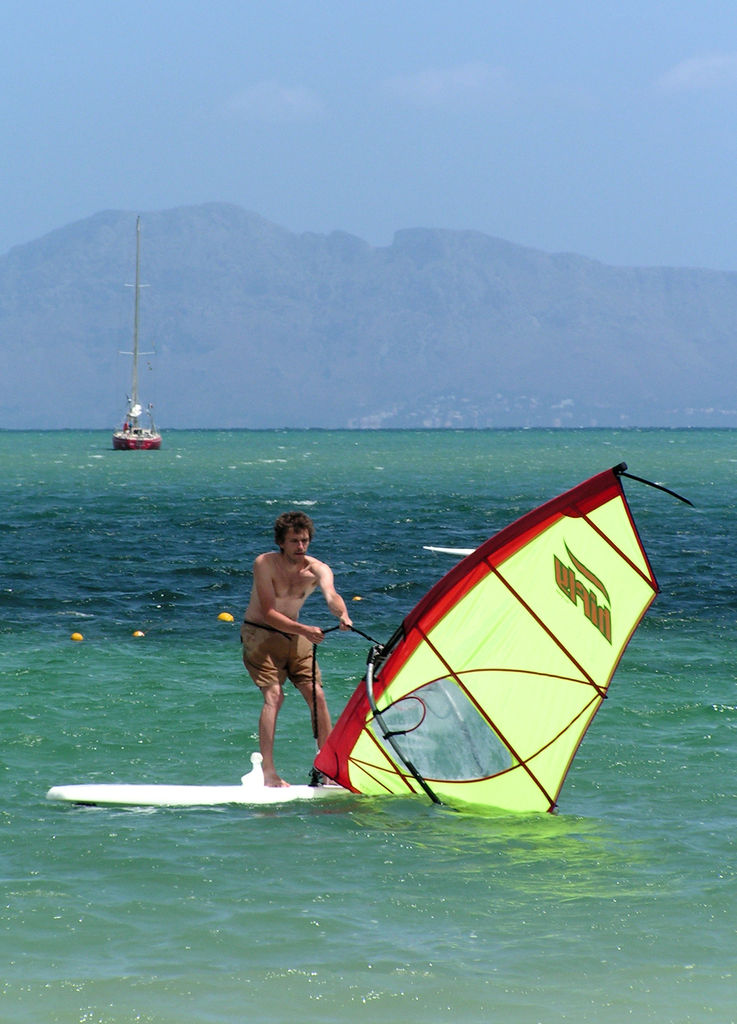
<point x="130" y="440"/>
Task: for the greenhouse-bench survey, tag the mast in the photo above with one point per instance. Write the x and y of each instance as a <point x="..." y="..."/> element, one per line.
<point x="132" y="434"/>
<point x="134" y="384"/>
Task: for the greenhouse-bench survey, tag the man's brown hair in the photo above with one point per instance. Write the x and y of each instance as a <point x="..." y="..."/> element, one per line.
<point x="292" y="521"/>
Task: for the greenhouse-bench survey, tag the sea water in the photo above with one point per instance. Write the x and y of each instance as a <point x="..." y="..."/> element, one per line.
<point x="622" y="906"/>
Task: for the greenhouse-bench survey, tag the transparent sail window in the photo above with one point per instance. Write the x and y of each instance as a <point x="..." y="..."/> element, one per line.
<point x="441" y="732"/>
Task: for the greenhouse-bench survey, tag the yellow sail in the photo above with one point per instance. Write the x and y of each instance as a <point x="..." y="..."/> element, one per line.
<point x="483" y="695"/>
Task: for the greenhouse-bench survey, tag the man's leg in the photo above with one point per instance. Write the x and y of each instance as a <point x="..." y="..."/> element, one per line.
<point x="273" y="700"/>
<point x="320" y="704"/>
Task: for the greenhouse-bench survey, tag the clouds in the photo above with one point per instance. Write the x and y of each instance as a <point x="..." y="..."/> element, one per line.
<point x="473" y="84"/>
<point x="441" y="87"/>
<point x="469" y="84"/>
<point x="274" y="102"/>
<point x="710" y="73"/>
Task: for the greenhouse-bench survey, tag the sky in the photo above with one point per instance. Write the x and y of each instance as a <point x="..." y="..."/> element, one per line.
<point x="607" y="128"/>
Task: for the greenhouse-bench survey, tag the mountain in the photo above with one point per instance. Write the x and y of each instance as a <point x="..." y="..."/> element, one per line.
<point x="256" y="326"/>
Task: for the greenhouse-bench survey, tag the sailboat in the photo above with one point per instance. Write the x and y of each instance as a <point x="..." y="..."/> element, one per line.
<point x="133" y="435"/>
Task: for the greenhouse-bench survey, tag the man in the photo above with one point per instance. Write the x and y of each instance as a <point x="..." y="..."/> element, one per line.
<point x="276" y="646"/>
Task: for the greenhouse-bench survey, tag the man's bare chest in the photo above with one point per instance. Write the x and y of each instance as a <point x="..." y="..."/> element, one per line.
<point x="294" y="584"/>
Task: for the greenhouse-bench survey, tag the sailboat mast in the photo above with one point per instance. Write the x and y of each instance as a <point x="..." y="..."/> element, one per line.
<point x="134" y="435"/>
<point x="134" y="384"/>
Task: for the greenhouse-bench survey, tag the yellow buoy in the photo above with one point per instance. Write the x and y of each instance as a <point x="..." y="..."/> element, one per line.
<point x="357" y="598"/>
<point x="76" y="636"/>
<point x="139" y="632"/>
<point x="225" y="617"/>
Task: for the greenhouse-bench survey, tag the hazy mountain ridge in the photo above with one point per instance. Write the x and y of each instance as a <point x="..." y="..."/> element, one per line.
<point x="256" y="326"/>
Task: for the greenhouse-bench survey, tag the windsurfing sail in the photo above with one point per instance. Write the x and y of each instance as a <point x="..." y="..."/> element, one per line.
<point x="485" y="691"/>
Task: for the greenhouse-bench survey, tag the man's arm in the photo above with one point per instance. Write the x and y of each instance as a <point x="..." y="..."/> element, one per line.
<point x="334" y="601"/>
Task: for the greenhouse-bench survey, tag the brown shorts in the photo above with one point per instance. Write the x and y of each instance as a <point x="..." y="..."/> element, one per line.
<point x="272" y="657"/>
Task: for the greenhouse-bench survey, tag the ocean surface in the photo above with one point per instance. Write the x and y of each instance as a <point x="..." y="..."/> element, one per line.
<point x="620" y="907"/>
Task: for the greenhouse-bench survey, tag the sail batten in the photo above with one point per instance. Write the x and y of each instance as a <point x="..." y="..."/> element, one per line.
<point x="483" y="695"/>
<point x="586" y="677"/>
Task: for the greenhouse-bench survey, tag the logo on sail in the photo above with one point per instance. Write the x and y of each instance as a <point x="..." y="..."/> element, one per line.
<point x="579" y="584"/>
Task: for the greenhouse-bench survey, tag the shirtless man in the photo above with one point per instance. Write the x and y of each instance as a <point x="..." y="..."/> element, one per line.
<point x="276" y="646"/>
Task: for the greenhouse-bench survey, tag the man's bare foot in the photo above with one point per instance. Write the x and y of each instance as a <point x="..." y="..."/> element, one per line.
<point x="273" y="780"/>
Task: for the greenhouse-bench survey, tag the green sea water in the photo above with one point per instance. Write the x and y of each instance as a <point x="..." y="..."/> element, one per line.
<point x="623" y="906"/>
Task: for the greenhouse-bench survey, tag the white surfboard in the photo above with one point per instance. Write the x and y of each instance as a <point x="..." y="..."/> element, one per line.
<point x="250" y="791"/>
<point x="449" y="551"/>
